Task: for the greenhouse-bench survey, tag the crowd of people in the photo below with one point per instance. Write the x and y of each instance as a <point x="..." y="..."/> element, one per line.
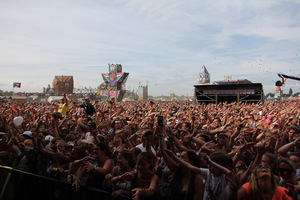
<point x="158" y="150"/>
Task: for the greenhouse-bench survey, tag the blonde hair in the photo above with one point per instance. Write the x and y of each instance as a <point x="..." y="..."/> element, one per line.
<point x="255" y="190"/>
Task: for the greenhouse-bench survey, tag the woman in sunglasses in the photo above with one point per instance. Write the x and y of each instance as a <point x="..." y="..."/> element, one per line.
<point x="287" y="172"/>
<point x="95" y="167"/>
<point x="262" y="185"/>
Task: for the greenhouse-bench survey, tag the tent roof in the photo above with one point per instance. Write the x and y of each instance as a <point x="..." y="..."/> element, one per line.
<point x="203" y="70"/>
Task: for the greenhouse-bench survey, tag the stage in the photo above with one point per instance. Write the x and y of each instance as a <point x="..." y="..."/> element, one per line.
<point x="231" y="92"/>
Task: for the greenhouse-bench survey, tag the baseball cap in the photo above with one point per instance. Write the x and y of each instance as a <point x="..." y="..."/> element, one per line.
<point x="27" y="133"/>
<point x="49" y="138"/>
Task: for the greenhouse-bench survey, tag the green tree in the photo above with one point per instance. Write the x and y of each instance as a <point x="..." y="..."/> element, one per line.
<point x="270" y="94"/>
<point x="8" y="93"/>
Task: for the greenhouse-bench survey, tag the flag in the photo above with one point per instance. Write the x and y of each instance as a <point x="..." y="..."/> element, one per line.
<point x="13" y="109"/>
<point x="18" y="85"/>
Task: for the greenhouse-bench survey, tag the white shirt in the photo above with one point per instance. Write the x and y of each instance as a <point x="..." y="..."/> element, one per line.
<point x="216" y="186"/>
<point x="89" y="137"/>
<point x="297" y="173"/>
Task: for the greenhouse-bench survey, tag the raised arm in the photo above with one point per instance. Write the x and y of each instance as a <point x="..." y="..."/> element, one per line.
<point x="198" y="141"/>
<point x="285" y="148"/>
<point x="178" y="144"/>
<point x="66" y="100"/>
<point x="183" y="163"/>
<point x="169" y="161"/>
<point x="233" y="136"/>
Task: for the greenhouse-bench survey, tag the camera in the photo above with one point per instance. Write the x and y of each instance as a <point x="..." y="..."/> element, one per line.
<point x="160" y="120"/>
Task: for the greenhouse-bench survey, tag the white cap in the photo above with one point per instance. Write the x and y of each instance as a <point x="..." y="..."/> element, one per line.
<point x="28" y="133"/>
<point x="49" y="138"/>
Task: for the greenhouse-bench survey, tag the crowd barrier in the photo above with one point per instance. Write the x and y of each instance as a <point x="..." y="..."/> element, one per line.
<point x="19" y="185"/>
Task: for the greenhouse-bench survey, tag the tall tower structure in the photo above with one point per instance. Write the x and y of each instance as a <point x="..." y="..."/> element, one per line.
<point x="115" y="81"/>
<point x="203" y="76"/>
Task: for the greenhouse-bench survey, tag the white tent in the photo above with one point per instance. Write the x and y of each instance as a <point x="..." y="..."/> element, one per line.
<point x="54" y="98"/>
<point x="270" y="98"/>
<point x="291" y="98"/>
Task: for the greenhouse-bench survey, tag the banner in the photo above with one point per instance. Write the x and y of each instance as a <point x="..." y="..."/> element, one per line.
<point x="227" y="92"/>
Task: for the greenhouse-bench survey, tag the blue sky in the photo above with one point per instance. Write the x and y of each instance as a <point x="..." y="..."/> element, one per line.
<point x="164" y="42"/>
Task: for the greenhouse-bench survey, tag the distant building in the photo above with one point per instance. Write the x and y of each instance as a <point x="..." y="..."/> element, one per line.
<point x="172" y="96"/>
<point x="63" y="85"/>
<point x="143" y="93"/>
<point x="22" y="99"/>
<point x="48" y="90"/>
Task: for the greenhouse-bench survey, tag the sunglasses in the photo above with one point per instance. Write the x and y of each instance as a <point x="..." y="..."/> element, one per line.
<point x="288" y="171"/>
<point x="265" y="166"/>
<point x="96" y="149"/>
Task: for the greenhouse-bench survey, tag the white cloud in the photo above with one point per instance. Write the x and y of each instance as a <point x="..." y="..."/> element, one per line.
<point x="165" y="42"/>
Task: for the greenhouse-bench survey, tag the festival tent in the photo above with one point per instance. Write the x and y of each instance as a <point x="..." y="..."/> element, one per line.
<point x="54" y="98"/>
<point x="270" y="98"/>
